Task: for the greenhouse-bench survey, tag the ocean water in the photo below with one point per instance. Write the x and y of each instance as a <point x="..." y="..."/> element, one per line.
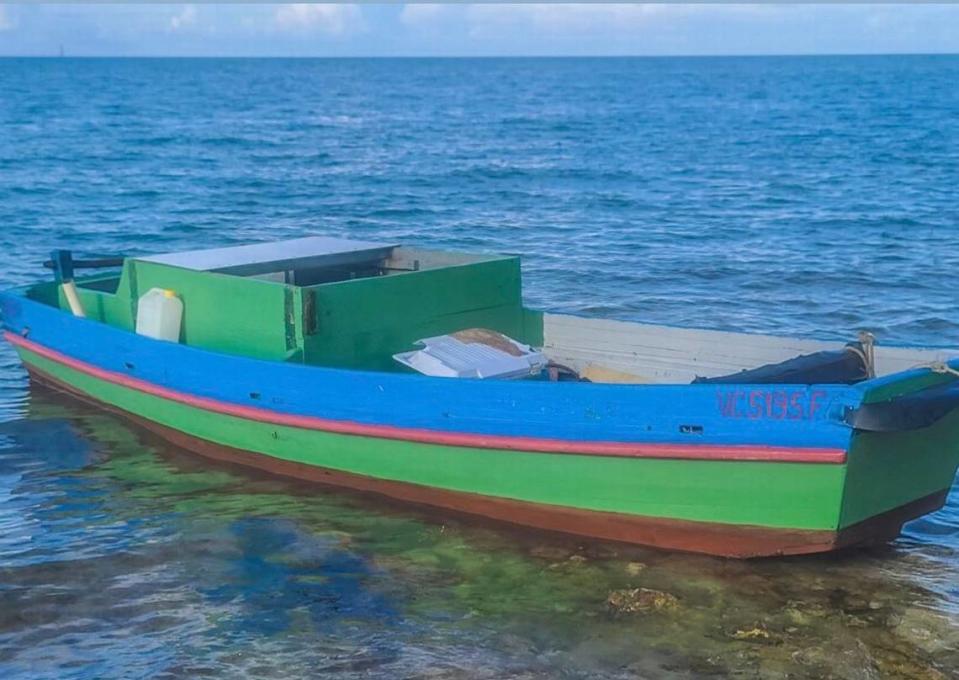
<point x="805" y="196"/>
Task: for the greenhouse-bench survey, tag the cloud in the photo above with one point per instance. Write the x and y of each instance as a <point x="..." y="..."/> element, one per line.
<point x="320" y="18"/>
<point x="184" y="18"/>
<point x="681" y="29"/>
<point x="459" y="29"/>
<point x="6" y="21"/>
<point x="564" y="18"/>
<point x="423" y="16"/>
<point x="590" y="19"/>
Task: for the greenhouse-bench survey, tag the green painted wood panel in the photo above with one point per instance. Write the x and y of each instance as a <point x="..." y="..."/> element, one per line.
<point x="533" y="327"/>
<point x="889" y="469"/>
<point x="361" y="323"/>
<point x="225" y="313"/>
<point x="357" y="323"/>
<point x="222" y="313"/>
<point x="110" y="308"/>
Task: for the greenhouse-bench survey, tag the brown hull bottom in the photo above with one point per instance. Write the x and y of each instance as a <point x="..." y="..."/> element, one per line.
<point x="724" y="540"/>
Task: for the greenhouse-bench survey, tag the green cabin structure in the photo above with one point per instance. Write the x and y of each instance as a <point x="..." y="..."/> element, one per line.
<point x="354" y="314"/>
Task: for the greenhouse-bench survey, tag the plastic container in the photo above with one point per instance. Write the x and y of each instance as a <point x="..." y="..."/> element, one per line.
<point x="159" y="313"/>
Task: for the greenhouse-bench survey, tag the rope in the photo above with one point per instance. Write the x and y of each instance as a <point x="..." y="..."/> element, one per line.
<point x="942" y="367"/>
<point x="868" y="341"/>
<point x="868" y="352"/>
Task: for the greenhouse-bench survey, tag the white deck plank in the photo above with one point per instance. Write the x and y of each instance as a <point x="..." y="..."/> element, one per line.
<point x="665" y="354"/>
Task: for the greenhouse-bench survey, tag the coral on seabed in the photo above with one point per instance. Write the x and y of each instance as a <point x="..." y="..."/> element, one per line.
<point x="633" y="600"/>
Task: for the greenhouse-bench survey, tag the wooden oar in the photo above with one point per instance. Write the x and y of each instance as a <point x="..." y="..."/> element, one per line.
<point x="93" y="263"/>
<point x="63" y="269"/>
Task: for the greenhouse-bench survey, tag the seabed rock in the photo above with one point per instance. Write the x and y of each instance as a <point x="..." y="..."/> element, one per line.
<point x="756" y="633"/>
<point x="572" y="560"/>
<point x="549" y="552"/>
<point x="803" y="613"/>
<point x="641" y="600"/>
<point x="927" y="630"/>
<point x="812" y="656"/>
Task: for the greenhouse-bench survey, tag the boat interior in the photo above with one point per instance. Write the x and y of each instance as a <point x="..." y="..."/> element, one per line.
<point x="355" y="304"/>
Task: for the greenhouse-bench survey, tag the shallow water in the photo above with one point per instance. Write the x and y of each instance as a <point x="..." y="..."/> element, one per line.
<point x="806" y="196"/>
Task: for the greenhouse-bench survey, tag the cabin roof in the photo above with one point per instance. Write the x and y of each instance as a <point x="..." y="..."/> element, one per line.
<point x="263" y="258"/>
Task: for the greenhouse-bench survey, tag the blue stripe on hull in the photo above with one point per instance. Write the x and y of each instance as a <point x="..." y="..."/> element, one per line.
<point x="574" y="411"/>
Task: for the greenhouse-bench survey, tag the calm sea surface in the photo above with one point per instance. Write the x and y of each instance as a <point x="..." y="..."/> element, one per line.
<point x="807" y="196"/>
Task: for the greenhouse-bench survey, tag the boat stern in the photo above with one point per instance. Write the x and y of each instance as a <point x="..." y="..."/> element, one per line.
<point x="903" y="455"/>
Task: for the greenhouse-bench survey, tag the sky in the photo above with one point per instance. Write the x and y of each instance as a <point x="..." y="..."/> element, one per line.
<point x="474" y="29"/>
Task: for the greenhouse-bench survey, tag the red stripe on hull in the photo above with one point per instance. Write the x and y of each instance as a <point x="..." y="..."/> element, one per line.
<point x="749" y="452"/>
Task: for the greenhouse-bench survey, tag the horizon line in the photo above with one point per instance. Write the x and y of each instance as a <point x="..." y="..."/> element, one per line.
<point x="54" y="56"/>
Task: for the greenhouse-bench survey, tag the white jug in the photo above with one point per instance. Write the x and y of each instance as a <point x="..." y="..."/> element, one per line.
<point x="159" y="313"/>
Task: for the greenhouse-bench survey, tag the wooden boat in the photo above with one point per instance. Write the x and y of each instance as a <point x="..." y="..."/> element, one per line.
<point x="284" y="361"/>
